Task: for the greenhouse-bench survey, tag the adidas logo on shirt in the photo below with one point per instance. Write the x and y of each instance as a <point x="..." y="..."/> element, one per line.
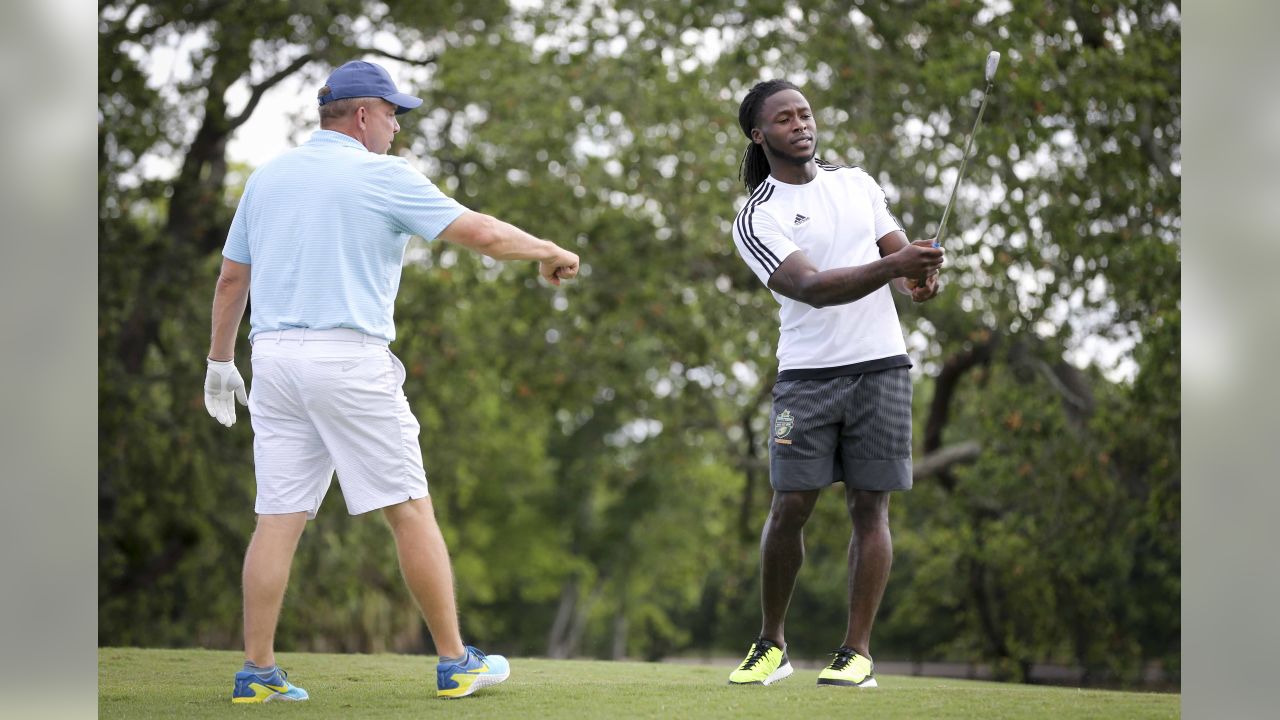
<point x="801" y="219"/>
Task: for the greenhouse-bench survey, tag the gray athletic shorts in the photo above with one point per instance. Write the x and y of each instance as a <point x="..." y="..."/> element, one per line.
<point x="855" y="429"/>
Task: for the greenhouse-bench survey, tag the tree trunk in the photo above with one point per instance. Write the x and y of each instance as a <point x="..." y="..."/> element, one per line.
<point x="620" y="627"/>
<point x="578" y="628"/>
<point x="557" y="639"/>
<point x="753" y="460"/>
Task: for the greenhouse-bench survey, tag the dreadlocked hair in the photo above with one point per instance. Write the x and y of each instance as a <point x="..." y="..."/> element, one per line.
<point x="755" y="166"/>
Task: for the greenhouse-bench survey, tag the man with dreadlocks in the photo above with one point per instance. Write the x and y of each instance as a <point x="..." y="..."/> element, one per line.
<point x="821" y="237"/>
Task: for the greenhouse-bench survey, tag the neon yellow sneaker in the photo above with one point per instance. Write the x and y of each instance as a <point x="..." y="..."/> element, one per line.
<point x="477" y="670"/>
<point x="848" y="669"/>
<point x="766" y="664"/>
<point x="271" y="687"/>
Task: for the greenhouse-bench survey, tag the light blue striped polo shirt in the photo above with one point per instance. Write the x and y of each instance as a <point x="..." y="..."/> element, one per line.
<point x="325" y="226"/>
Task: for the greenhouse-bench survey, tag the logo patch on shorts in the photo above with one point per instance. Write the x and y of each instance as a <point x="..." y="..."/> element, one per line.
<point x="782" y="427"/>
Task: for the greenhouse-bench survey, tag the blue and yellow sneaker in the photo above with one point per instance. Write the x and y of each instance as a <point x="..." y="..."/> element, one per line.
<point x="849" y="669"/>
<point x="766" y="664"/>
<point x="254" y="688"/>
<point x="477" y="670"/>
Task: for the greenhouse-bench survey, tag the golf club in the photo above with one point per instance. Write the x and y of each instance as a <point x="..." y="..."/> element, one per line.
<point x="993" y="61"/>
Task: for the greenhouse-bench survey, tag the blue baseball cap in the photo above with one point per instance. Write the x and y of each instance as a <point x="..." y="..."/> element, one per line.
<point x="358" y="79"/>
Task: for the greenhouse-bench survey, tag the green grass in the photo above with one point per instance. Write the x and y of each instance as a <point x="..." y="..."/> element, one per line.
<point x="172" y="684"/>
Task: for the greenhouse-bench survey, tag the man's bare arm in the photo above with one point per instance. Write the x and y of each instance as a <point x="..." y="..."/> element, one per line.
<point x="798" y="278"/>
<point x="229" y="299"/>
<point x="500" y="240"/>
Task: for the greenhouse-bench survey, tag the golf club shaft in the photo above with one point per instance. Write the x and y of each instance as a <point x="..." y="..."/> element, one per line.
<point x="964" y="161"/>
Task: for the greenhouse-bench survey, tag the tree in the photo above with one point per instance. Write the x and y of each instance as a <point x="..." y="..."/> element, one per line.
<point x="597" y="452"/>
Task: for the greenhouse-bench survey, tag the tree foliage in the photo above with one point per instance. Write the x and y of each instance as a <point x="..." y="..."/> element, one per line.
<point x="597" y="452"/>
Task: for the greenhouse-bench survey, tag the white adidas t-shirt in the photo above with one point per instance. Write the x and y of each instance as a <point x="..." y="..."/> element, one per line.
<point x="835" y="219"/>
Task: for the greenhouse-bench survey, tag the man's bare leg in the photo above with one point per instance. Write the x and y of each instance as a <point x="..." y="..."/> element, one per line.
<point x="781" y="555"/>
<point x="424" y="561"/>
<point x="870" y="558"/>
<point x="266" y="574"/>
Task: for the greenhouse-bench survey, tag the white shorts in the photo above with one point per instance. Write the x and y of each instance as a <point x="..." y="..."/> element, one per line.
<point x="331" y="399"/>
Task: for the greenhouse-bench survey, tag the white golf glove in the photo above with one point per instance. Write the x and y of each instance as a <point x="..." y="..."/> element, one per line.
<point x="221" y="383"/>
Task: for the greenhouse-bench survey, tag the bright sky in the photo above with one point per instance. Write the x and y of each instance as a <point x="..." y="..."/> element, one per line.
<point x="267" y="132"/>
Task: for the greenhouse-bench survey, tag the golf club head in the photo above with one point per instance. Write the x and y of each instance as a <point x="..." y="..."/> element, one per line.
<point x="993" y="61"/>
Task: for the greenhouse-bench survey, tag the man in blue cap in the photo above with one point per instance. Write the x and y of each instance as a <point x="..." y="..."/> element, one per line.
<point x="318" y="241"/>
